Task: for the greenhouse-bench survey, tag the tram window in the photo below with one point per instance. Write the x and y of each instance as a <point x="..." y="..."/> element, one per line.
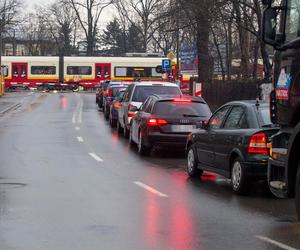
<point x="154" y="73"/>
<point x="15" y="71"/>
<point x="136" y="72"/>
<point x="120" y="71"/>
<point x="98" y="71"/>
<point x="43" y="70"/>
<point x="23" y="71"/>
<point x="79" y="70"/>
<point x="107" y="71"/>
<point x="5" y="70"/>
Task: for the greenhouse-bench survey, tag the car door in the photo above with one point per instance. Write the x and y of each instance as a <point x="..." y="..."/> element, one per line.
<point x="229" y="136"/>
<point x="206" y="139"/>
<point x="138" y="119"/>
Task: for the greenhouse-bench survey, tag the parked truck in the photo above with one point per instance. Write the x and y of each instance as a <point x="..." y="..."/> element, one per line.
<point x="281" y="29"/>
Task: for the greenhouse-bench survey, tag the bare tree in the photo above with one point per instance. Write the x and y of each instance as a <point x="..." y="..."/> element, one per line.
<point x="88" y="14"/>
<point x="60" y="20"/>
<point x="143" y="15"/>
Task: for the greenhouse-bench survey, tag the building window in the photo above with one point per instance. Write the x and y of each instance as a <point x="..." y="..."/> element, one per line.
<point x="79" y="70"/>
<point x="43" y="70"/>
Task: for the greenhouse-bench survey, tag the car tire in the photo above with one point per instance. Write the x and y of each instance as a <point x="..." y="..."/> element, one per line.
<point x="131" y="142"/>
<point x="112" y="122"/>
<point x="125" y="131"/>
<point x="192" y="163"/>
<point x="106" y="114"/>
<point x="119" y="128"/>
<point x="142" y="149"/>
<point x="297" y="192"/>
<point x="239" y="181"/>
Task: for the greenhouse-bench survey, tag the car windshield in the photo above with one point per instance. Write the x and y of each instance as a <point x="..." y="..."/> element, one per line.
<point x="142" y="92"/>
<point x="190" y="109"/>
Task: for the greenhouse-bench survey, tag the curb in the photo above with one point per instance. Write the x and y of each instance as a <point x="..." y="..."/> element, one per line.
<point x="11" y="107"/>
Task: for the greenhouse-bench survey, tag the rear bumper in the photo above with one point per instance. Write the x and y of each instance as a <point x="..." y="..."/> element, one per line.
<point x="256" y="169"/>
<point x="174" y="140"/>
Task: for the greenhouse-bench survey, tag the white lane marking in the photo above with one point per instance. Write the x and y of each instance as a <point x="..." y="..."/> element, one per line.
<point x="77" y="115"/>
<point x="77" y="128"/>
<point x="79" y="138"/>
<point x="150" y="189"/>
<point x="275" y="243"/>
<point x="96" y="157"/>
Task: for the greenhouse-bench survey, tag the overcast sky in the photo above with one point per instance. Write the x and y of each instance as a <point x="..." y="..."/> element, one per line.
<point x="107" y="14"/>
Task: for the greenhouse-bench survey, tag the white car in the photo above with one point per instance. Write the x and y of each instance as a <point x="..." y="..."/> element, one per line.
<point x="134" y="97"/>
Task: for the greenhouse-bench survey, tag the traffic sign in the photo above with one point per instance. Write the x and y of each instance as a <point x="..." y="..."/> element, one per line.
<point x="166" y="64"/>
<point x="171" y="55"/>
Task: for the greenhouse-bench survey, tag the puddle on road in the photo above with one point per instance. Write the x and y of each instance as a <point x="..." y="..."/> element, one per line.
<point x="33" y="106"/>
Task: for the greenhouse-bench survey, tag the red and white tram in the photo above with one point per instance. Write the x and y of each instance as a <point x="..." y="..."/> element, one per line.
<point x="87" y="71"/>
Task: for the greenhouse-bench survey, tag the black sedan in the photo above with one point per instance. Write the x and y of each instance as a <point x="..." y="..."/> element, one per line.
<point x="234" y="144"/>
<point x="166" y="121"/>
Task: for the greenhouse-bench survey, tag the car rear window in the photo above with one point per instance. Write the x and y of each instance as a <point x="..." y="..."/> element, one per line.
<point x="182" y="109"/>
<point x="142" y="92"/>
<point x="264" y="114"/>
<point x="116" y="90"/>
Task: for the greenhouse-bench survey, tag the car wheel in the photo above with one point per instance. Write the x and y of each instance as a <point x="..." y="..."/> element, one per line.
<point x="297" y="199"/>
<point x="106" y="114"/>
<point x="119" y="128"/>
<point x="192" y="163"/>
<point x="239" y="181"/>
<point x="112" y="122"/>
<point x="131" y="142"/>
<point x="142" y="149"/>
<point x="125" y="131"/>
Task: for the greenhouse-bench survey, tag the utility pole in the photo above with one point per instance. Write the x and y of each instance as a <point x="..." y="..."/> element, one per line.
<point x="177" y="40"/>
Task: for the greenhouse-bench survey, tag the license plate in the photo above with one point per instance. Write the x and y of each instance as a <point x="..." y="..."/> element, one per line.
<point x="182" y="128"/>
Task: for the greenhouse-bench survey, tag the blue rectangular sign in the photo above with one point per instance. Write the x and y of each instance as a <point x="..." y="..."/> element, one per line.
<point x="166" y="65"/>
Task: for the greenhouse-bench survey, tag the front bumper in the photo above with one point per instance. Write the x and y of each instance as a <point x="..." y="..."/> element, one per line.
<point x="277" y="178"/>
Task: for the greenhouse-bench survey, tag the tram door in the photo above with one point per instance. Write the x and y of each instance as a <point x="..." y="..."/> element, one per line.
<point x="103" y="71"/>
<point x="19" y="72"/>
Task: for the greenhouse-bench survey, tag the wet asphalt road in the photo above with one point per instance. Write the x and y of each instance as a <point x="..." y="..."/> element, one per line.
<point x="68" y="181"/>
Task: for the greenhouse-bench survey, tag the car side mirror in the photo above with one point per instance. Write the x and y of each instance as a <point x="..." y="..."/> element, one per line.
<point x="134" y="109"/>
<point x="270" y="25"/>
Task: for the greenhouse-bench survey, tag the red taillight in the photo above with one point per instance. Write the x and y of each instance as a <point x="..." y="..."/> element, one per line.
<point x="258" y="144"/>
<point x="130" y="115"/>
<point x="117" y="105"/>
<point x="181" y="100"/>
<point x="156" y="122"/>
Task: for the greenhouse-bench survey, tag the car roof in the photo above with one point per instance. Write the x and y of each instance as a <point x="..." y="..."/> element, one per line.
<point x="151" y="83"/>
<point x="183" y="97"/>
<point x="249" y="103"/>
<point x="121" y="85"/>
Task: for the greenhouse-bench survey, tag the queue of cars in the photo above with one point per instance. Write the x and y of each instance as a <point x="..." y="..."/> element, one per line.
<point x="232" y="142"/>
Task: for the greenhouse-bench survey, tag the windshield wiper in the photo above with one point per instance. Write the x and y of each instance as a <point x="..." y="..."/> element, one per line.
<point x="269" y="126"/>
<point x="190" y="115"/>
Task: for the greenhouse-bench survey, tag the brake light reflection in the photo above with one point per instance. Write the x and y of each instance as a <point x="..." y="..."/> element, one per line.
<point x="63" y="103"/>
<point x="170" y="219"/>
